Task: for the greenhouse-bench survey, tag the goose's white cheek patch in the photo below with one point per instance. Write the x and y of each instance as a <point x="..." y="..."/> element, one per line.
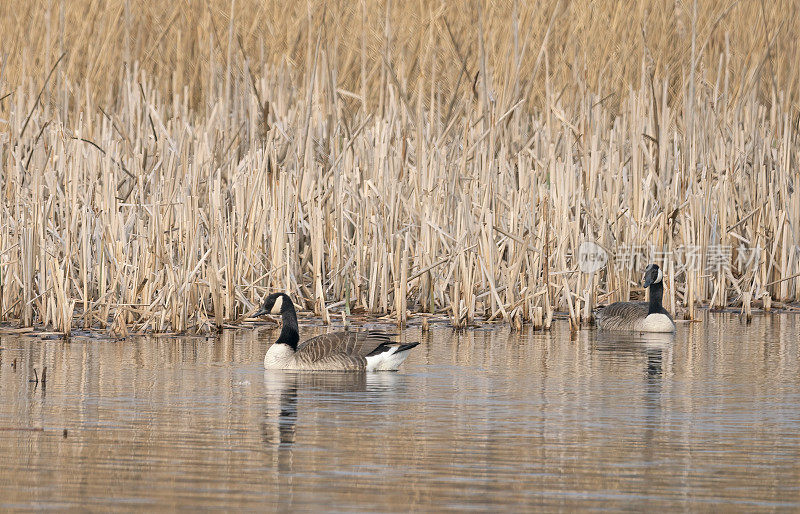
<point x="276" y="308"/>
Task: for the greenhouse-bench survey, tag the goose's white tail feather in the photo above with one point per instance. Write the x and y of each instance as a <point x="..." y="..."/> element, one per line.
<point x="389" y="360"/>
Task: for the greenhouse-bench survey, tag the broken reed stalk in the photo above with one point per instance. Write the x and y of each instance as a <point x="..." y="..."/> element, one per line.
<point x="436" y="183"/>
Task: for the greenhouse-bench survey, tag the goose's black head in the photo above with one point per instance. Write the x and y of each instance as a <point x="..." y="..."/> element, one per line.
<point x="276" y="303"/>
<point x="652" y="275"/>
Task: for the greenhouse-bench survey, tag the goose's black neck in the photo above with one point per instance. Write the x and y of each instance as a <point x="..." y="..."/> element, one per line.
<point x="289" y="332"/>
<point x="656" y="293"/>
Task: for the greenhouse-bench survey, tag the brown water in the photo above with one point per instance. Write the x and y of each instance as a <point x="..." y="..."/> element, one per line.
<point x="707" y="419"/>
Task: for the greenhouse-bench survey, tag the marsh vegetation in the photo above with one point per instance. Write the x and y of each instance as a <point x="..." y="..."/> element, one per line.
<point x="163" y="165"/>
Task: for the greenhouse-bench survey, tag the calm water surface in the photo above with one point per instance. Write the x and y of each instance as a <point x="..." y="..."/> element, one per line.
<point x="707" y="419"/>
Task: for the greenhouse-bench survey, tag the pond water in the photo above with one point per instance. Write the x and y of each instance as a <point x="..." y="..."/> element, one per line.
<point x="708" y="418"/>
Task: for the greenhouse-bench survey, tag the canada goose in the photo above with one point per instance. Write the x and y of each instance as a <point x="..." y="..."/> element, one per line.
<point x="338" y="351"/>
<point x="648" y="316"/>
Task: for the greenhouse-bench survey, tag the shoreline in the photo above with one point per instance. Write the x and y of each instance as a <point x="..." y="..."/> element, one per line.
<point x="307" y="318"/>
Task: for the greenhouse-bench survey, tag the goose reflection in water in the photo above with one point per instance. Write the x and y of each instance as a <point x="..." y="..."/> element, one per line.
<point x="655" y="356"/>
<point x="283" y="387"/>
<point x="656" y="348"/>
<point x="651" y="345"/>
<point x="278" y="427"/>
<point x="657" y="351"/>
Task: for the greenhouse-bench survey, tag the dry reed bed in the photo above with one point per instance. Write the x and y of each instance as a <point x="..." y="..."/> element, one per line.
<point x="167" y="230"/>
<point x="136" y="209"/>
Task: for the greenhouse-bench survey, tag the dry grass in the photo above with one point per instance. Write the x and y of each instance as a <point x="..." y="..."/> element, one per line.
<point x="182" y="158"/>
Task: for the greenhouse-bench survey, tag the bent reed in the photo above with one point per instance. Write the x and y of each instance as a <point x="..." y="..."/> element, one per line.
<point x="164" y="167"/>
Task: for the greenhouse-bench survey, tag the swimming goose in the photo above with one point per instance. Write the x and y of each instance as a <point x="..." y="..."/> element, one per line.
<point x="648" y="316"/>
<point x="338" y="351"/>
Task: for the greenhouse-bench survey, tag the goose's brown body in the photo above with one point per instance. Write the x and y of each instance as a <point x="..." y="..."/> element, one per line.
<point x="337" y="351"/>
<point x="370" y="350"/>
<point x="634" y="316"/>
<point x="650" y="316"/>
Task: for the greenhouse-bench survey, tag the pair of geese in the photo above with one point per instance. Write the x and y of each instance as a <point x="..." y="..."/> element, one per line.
<point x="374" y="350"/>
